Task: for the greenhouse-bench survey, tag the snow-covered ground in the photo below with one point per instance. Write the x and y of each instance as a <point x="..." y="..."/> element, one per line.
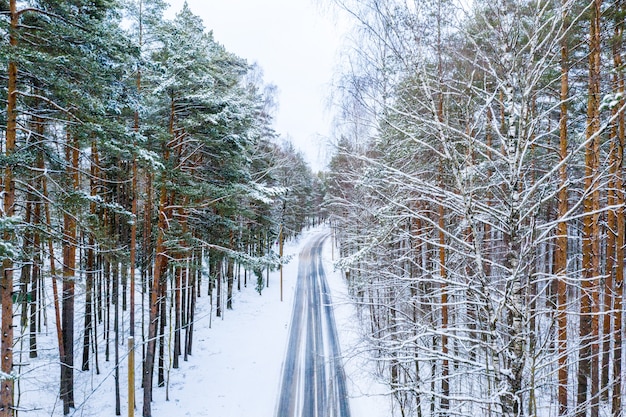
<point x="236" y="364"/>
<point x="236" y="367"/>
<point x="368" y="397"/>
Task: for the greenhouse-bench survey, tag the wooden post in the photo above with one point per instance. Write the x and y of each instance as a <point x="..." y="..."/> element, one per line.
<point x="332" y="242"/>
<point x="280" y="252"/>
<point x="133" y="261"/>
<point x="131" y="376"/>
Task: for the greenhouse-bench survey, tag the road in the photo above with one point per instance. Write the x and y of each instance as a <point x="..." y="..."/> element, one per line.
<point x="313" y="381"/>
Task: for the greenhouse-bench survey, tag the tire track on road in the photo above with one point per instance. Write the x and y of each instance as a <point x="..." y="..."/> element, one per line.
<point x="313" y="382"/>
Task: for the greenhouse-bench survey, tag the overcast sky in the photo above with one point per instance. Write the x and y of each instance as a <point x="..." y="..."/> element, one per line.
<point x="296" y="44"/>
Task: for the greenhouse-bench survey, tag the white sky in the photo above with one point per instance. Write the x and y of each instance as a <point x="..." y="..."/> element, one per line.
<point x="295" y="43"/>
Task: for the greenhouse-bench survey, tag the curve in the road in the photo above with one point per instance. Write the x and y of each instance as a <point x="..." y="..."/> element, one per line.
<point x="313" y="382"/>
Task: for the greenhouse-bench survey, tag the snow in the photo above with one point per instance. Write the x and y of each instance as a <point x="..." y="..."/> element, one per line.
<point x="236" y="367"/>
<point x="236" y="364"/>
<point x="368" y="397"/>
<point x="264" y="193"/>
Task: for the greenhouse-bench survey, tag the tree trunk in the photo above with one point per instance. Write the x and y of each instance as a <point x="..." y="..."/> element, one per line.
<point x="107" y="306"/>
<point x="35" y="277"/>
<point x="588" y="378"/>
<point x="160" y="264"/>
<point x="91" y="261"/>
<point x="614" y="188"/>
<point x="218" y="296"/>
<point x="620" y="238"/>
<point x="116" y="329"/>
<point x="230" y="267"/>
<point x="53" y="272"/>
<point x="69" y="280"/>
<point x="6" y="280"/>
<point x="25" y="272"/>
<point x="445" y="371"/>
<point x="98" y="307"/>
<point x="161" y="332"/>
<point x="196" y="271"/>
<point x="445" y="366"/>
<point x="132" y="267"/>
<point x="88" y="322"/>
<point x="560" y="256"/>
<point x="178" y="275"/>
<point x="147" y="256"/>
<point x="155" y="292"/>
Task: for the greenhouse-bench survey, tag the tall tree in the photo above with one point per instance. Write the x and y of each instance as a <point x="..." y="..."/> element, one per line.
<point x="6" y="280"/>
<point x="501" y="234"/>
<point x="560" y="255"/>
<point x="588" y="367"/>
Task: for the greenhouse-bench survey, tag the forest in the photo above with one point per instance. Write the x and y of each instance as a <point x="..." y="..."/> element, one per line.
<point x="140" y="176"/>
<point x="477" y="195"/>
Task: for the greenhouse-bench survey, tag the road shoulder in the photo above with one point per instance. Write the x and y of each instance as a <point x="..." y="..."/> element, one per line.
<point x="368" y="396"/>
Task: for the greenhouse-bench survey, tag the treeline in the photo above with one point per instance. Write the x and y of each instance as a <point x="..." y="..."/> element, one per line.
<point x="139" y="173"/>
<point x="477" y="194"/>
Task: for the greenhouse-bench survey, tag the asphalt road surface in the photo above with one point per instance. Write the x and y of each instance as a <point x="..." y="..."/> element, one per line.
<point x="313" y="382"/>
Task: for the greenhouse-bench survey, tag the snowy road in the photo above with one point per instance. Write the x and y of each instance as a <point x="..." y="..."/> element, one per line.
<point x="313" y="382"/>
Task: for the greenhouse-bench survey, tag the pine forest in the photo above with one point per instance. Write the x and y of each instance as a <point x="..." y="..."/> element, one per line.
<point x="475" y="195"/>
<point x="140" y="176"/>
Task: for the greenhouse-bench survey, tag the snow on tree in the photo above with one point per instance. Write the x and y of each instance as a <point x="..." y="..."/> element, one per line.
<point x="447" y="205"/>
